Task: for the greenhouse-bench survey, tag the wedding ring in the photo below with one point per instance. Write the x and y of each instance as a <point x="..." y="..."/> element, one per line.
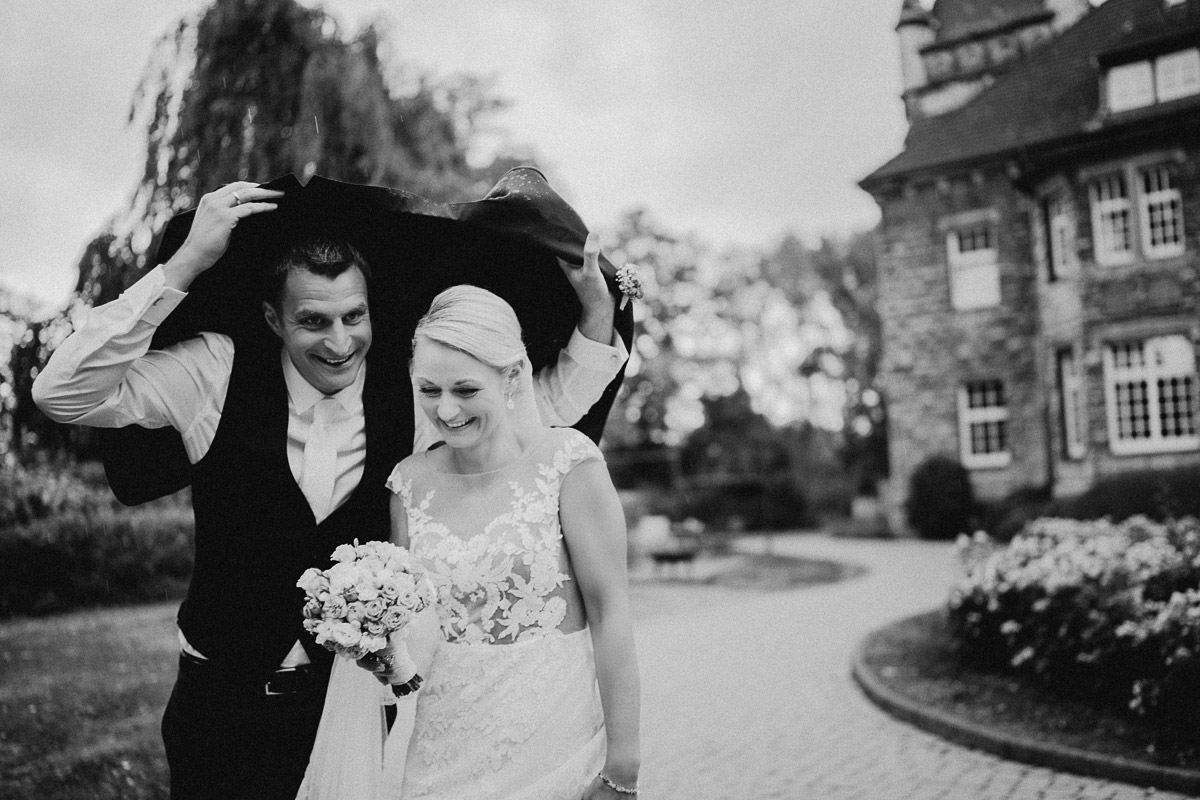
<point x="237" y="201"/>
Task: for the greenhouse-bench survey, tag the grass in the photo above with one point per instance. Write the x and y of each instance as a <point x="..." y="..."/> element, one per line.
<point x="81" y="698"/>
<point x="917" y="658"/>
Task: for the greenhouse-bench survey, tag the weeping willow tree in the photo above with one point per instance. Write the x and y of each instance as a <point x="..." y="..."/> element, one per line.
<point x="256" y="89"/>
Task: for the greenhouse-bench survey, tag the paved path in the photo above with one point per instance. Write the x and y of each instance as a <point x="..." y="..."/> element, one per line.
<point x="748" y="695"/>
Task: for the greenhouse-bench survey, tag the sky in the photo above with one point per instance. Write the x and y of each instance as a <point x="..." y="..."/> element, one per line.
<point x="735" y="121"/>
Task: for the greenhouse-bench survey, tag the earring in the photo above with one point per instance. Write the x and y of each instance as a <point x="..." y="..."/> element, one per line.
<point x="511" y="405"/>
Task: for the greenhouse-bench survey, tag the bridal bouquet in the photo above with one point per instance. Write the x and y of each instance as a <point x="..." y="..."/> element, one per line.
<point x="371" y="592"/>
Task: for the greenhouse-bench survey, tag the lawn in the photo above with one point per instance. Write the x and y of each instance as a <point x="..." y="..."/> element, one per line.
<point x="81" y="696"/>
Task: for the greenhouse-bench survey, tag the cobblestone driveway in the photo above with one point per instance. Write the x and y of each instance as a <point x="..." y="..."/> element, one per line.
<point x="748" y="695"/>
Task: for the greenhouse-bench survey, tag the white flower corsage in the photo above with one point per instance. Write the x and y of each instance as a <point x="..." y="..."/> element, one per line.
<point x="629" y="281"/>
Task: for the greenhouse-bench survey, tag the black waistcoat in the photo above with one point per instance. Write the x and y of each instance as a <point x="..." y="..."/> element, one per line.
<point x="255" y="532"/>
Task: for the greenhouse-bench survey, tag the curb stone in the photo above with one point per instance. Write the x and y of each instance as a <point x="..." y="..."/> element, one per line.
<point x="1042" y="754"/>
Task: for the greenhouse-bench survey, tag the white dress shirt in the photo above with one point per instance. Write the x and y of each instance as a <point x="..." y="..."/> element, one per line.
<point x="105" y="375"/>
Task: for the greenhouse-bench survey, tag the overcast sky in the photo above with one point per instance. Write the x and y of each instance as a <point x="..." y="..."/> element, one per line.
<point x="735" y="120"/>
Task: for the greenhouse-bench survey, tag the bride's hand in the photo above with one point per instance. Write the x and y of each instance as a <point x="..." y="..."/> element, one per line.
<point x="392" y="669"/>
<point x="375" y="664"/>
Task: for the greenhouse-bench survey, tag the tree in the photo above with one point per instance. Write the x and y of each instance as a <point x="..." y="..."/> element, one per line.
<point x="845" y="272"/>
<point x="255" y="89"/>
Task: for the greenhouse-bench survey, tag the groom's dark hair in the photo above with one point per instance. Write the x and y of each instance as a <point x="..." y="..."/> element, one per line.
<point x="320" y="256"/>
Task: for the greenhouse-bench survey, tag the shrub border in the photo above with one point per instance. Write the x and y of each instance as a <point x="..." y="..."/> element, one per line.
<point x="971" y="734"/>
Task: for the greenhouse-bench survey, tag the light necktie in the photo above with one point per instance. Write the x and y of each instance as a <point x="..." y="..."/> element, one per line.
<point x="320" y="458"/>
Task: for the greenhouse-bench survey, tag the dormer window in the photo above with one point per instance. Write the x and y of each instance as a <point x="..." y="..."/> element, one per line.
<point x="1130" y="86"/>
<point x="1177" y="75"/>
<point x="1158" y="80"/>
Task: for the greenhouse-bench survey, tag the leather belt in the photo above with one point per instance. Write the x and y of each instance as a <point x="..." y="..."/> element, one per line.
<point x="282" y="682"/>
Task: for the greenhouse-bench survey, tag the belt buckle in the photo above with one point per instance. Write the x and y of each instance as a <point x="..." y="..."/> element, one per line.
<point x="281" y="673"/>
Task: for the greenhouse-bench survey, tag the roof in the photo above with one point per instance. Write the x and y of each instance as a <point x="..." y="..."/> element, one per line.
<point x="961" y="19"/>
<point x="1052" y="94"/>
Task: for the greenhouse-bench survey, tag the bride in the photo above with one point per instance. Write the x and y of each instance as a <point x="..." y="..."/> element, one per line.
<point x="532" y="690"/>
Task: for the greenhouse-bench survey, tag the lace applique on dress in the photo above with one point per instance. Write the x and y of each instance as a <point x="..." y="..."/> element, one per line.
<point x="507" y="580"/>
<point x="511" y="706"/>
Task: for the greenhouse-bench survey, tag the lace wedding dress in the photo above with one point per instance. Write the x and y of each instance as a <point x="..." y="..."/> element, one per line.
<point x="511" y="708"/>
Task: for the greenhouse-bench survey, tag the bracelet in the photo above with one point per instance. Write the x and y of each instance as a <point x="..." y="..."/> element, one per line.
<point x="616" y="787"/>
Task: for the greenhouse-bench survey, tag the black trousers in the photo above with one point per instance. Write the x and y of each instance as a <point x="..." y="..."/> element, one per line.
<point x="226" y="737"/>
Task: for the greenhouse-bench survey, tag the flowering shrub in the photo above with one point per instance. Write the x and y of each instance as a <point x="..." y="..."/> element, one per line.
<point x="1095" y="607"/>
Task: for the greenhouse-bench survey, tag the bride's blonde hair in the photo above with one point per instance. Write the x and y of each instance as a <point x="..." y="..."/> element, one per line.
<point x="478" y="323"/>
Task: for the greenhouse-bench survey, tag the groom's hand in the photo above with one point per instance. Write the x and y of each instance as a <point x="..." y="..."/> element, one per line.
<point x="216" y="216"/>
<point x="596" y="321"/>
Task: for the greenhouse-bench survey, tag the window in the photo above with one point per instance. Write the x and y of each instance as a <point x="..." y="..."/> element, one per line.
<point x="1130" y="86"/>
<point x="974" y="271"/>
<point x="1112" y="220"/>
<point x="1144" y="83"/>
<point x="1070" y="403"/>
<point x="1177" y="75"/>
<point x="983" y="425"/>
<point x="1060" y="236"/>
<point x="1161" y="213"/>
<point x="1150" y="393"/>
<point x="1158" y="225"/>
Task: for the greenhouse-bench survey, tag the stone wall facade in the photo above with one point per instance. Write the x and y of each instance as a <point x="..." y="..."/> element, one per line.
<point x="931" y="349"/>
<point x="1096" y="304"/>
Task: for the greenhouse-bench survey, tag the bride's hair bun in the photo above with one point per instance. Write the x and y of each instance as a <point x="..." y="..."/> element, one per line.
<point x="477" y="322"/>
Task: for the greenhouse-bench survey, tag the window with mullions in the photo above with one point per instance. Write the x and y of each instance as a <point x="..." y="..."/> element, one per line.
<point x="1150" y="393"/>
<point x="1161" y="213"/>
<point x="1155" y="231"/>
<point x="983" y="424"/>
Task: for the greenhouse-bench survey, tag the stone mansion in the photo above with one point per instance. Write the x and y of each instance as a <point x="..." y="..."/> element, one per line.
<point x="1039" y="248"/>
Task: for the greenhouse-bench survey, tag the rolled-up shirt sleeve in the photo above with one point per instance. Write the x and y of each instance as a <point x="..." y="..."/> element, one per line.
<point x="105" y="375"/>
<point x="566" y="390"/>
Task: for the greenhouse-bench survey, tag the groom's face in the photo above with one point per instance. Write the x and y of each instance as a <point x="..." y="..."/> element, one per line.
<point x="324" y="325"/>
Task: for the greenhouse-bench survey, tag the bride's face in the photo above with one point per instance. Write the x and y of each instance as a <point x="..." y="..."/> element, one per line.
<point x="463" y="397"/>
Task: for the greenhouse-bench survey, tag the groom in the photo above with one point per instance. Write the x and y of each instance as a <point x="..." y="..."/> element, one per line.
<point x="291" y="445"/>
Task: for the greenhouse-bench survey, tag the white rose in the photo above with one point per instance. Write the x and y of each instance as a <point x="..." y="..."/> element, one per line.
<point x="344" y="553"/>
<point x="373" y="609"/>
